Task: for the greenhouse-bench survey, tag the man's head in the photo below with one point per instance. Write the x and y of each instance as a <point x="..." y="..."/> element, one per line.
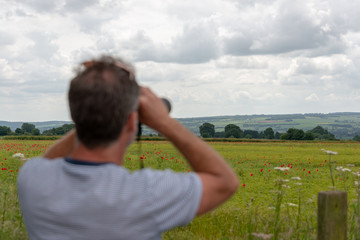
<point x="101" y="98"/>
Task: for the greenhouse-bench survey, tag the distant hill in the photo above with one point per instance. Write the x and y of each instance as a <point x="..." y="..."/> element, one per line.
<point x="345" y="125"/>
<point x="42" y="126"/>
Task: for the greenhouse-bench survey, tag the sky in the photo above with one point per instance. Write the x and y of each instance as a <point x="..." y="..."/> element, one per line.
<point x="209" y="58"/>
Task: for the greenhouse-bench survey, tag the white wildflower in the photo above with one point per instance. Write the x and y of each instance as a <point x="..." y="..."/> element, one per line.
<point x="282" y="168"/>
<point x="286" y="186"/>
<point x="19" y="155"/>
<point x="292" y="204"/>
<point x="262" y="235"/>
<point x="329" y="152"/>
<point x="296" y="178"/>
<point x="298" y="183"/>
<point x="271" y="208"/>
<point x="356" y="174"/>
<point x="312" y="199"/>
<point x="346" y="170"/>
<point x="350" y="165"/>
<point x="340" y="168"/>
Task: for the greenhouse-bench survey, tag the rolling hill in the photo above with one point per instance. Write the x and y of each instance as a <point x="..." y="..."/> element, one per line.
<point x="345" y="125"/>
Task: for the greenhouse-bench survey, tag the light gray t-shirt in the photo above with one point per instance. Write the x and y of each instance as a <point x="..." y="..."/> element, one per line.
<point x="69" y="199"/>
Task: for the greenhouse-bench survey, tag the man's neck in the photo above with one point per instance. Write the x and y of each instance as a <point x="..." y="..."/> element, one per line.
<point x="111" y="154"/>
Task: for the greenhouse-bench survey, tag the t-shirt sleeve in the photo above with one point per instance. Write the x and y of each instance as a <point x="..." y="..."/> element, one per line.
<point x="174" y="197"/>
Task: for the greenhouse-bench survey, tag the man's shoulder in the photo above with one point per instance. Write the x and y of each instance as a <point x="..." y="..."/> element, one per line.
<point x="36" y="164"/>
<point x="167" y="173"/>
<point x="40" y="161"/>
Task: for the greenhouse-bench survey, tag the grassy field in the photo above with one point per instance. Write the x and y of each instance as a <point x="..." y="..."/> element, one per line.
<point x="277" y="196"/>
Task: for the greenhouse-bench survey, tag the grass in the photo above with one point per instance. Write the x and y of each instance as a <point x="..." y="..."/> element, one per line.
<point x="269" y="204"/>
<point x="11" y="226"/>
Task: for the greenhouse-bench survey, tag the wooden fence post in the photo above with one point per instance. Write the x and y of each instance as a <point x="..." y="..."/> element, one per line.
<point x="332" y="214"/>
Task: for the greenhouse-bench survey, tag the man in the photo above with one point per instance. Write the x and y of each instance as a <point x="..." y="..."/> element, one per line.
<point x="79" y="189"/>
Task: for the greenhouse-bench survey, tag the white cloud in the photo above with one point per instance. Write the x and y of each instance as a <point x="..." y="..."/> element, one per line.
<point x="39" y="5"/>
<point x="222" y="57"/>
<point x="312" y="97"/>
<point x="76" y="5"/>
<point x="355" y="95"/>
<point x="195" y="44"/>
<point x="244" y="62"/>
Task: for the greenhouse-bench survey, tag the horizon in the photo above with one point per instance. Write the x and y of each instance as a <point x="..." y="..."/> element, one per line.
<point x="213" y="116"/>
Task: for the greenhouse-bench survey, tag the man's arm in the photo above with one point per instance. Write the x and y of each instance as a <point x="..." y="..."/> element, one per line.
<point x="218" y="180"/>
<point x="62" y="147"/>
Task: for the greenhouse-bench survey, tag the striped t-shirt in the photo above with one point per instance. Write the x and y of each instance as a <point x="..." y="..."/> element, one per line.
<point x="70" y="199"/>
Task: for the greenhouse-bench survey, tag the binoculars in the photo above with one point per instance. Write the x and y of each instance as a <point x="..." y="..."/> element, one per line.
<point x="168" y="106"/>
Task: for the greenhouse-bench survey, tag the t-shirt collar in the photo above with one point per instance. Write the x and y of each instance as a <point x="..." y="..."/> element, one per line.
<point x="80" y="162"/>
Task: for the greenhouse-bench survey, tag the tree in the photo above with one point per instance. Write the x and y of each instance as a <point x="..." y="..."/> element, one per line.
<point x="293" y="134"/>
<point x="68" y="127"/>
<point x="319" y="130"/>
<point x="298" y="134"/>
<point x="207" y="130"/>
<point x="19" y="131"/>
<point x="251" y="134"/>
<point x="309" y="136"/>
<point x="35" y="132"/>
<point x="269" y="133"/>
<point x="49" y="132"/>
<point x="277" y="135"/>
<point x="231" y="130"/>
<point x="4" y="131"/>
<point x="27" y="127"/>
<point x="219" y="134"/>
<point x="261" y="134"/>
<point x="356" y="137"/>
<point x="321" y="133"/>
<point x="59" y="130"/>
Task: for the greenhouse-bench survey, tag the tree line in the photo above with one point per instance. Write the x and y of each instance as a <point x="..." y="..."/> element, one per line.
<point x="30" y="129"/>
<point x="207" y="130"/>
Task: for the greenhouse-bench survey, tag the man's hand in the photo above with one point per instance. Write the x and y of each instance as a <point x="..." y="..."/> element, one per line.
<point x="152" y="110"/>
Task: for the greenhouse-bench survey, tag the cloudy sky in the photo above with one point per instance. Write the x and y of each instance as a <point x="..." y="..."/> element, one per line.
<point x="210" y="58"/>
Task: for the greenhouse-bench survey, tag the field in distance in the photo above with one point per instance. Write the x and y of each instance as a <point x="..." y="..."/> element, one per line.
<point x="342" y="125"/>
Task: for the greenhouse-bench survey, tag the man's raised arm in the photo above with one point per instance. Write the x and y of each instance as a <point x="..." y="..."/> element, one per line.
<point x="218" y="180"/>
<point x="62" y="147"/>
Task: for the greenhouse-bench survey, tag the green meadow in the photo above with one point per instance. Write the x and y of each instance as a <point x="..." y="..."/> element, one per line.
<point x="276" y="199"/>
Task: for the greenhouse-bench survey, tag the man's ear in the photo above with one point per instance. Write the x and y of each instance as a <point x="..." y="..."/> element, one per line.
<point x="130" y="129"/>
<point x="132" y="122"/>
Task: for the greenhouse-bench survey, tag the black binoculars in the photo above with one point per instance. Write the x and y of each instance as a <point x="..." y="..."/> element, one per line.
<point x="168" y="106"/>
